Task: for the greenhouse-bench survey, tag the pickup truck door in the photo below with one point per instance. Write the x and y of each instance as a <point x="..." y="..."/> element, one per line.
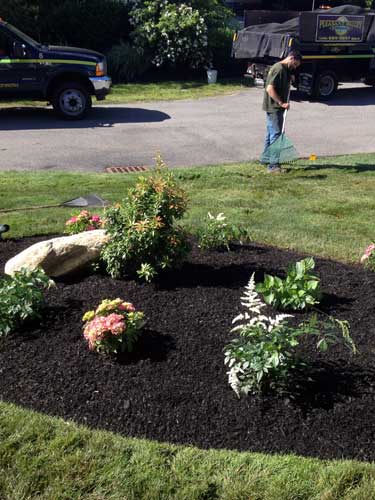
<point x="20" y="71"/>
<point x="9" y="80"/>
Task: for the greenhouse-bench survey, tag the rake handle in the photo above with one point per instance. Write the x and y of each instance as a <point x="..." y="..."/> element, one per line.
<point x="285" y="112"/>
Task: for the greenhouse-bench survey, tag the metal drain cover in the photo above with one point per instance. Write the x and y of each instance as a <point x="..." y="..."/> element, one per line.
<point x="125" y="170"/>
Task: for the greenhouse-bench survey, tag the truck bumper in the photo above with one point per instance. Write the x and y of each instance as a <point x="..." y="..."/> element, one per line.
<point x="102" y="86"/>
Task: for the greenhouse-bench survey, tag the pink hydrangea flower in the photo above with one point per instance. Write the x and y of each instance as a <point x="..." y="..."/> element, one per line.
<point x="369" y="250"/>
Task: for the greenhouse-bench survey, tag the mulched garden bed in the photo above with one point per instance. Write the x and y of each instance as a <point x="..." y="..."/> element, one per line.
<point x="174" y="387"/>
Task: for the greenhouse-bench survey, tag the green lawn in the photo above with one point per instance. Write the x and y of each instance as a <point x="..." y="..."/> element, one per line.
<point x="322" y="208"/>
<point x="162" y="91"/>
<point x="46" y="458"/>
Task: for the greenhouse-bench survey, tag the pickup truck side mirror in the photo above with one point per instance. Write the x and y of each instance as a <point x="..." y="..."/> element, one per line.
<point x="19" y="50"/>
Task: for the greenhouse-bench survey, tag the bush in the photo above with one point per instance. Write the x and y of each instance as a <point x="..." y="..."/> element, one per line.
<point x="216" y="233"/>
<point x="93" y="24"/>
<point x="113" y="327"/>
<point x="264" y="354"/>
<point x="174" y="34"/>
<point x="126" y="62"/>
<point x="21" y="298"/>
<point x="83" y="221"/>
<point x="143" y="237"/>
<point x="298" y="290"/>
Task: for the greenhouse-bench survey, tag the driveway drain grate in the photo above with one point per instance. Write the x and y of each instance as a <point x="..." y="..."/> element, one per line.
<point x="125" y="170"/>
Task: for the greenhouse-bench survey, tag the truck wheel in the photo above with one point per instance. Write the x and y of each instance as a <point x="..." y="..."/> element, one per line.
<point x="71" y="101"/>
<point x="325" y="85"/>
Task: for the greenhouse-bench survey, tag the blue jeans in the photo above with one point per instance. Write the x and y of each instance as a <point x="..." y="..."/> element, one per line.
<point x="274" y="123"/>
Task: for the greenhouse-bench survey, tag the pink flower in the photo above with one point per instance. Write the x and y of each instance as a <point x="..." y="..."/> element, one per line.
<point x="90" y="228"/>
<point x="126" y="306"/>
<point x="72" y="220"/>
<point x="369" y="249"/>
<point x="95" y="218"/>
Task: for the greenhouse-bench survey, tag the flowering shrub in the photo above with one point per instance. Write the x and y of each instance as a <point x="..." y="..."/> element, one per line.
<point x="263" y="355"/>
<point x="174" y="33"/>
<point x="113" y="327"/>
<point x="143" y="237"/>
<point x="84" y="221"/>
<point x="216" y="233"/>
<point x="21" y="298"/>
<point x="299" y="290"/>
<point x="368" y="258"/>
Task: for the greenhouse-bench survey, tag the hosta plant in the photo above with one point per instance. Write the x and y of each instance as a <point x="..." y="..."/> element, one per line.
<point x="216" y="233"/>
<point x="83" y="221"/>
<point x="264" y="353"/>
<point x="144" y="238"/>
<point x="368" y="258"/>
<point x="21" y="298"/>
<point x="299" y="290"/>
<point x="113" y="327"/>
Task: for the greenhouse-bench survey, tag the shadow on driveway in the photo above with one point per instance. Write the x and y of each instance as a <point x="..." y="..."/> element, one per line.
<point x="34" y="118"/>
<point x="361" y="96"/>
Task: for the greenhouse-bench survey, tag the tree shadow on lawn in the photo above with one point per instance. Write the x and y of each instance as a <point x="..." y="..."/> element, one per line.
<point x="357" y="168"/>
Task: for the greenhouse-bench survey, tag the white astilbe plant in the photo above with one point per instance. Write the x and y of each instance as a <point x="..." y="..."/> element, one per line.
<point x="256" y="352"/>
<point x="263" y="354"/>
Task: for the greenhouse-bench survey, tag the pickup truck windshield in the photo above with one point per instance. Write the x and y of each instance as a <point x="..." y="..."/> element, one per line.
<point x="21" y="35"/>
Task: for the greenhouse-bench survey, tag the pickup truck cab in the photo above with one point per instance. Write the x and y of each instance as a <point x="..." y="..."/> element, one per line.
<point x="66" y="77"/>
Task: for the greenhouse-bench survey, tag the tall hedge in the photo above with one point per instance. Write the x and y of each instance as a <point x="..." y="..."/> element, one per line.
<point x="95" y="24"/>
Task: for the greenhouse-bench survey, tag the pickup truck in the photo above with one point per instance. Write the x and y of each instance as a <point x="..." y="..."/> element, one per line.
<point x="66" y="77"/>
<point x="337" y="45"/>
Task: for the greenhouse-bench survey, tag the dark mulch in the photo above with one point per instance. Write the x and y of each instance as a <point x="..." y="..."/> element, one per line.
<point x="174" y="387"/>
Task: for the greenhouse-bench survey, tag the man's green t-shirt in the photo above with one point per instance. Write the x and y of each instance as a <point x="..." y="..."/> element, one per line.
<point x="279" y="77"/>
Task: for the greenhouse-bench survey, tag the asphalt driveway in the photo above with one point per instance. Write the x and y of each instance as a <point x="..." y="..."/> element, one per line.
<point x="193" y="132"/>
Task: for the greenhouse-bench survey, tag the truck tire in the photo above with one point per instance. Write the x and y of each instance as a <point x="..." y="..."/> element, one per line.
<point x="71" y="101"/>
<point x="325" y="85"/>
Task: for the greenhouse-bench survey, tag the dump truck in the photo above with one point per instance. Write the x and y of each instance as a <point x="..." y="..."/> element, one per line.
<point x="337" y="45"/>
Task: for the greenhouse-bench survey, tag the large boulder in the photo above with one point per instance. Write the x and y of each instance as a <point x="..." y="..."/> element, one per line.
<point x="61" y="256"/>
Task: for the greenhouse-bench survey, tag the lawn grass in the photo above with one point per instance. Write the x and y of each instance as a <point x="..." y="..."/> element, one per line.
<point x="320" y="208"/>
<point x="46" y="458"/>
<point x="160" y="91"/>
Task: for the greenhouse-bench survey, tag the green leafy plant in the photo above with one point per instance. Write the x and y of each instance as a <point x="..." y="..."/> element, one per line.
<point x="21" y="298"/>
<point x="264" y="353"/>
<point x="299" y="290"/>
<point x="143" y="236"/>
<point x="217" y="233"/>
<point x="174" y="34"/>
<point x="126" y="62"/>
<point x="113" y="327"/>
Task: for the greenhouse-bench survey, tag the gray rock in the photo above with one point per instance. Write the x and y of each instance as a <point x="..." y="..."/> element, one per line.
<point x="61" y="256"/>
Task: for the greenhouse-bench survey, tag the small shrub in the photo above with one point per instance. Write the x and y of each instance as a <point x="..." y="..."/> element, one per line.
<point x="264" y="354"/>
<point x="368" y="258"/>
<point x="216" y="233"/>
<point x="143" y="237"/>
<point x="21" y="298"/>
<point x="113" y="327"/>
<point x="126" y="62"/>
<point x="298" y="290"/>
<point x="84" y="221"/>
